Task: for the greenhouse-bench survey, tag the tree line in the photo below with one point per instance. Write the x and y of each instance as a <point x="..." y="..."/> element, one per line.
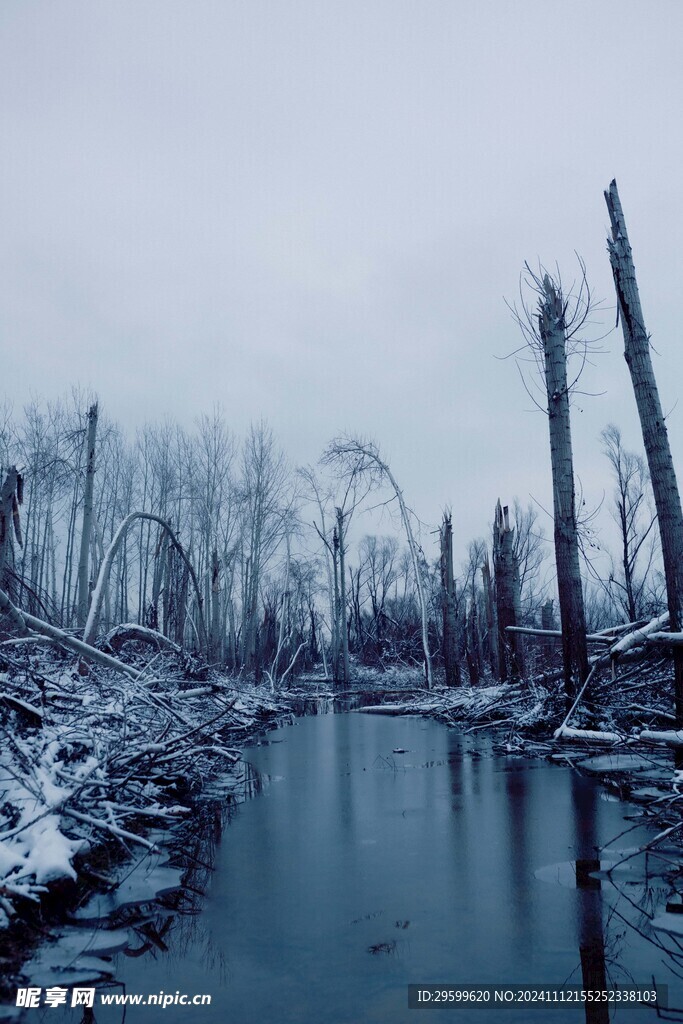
<point x="218" y="545"/>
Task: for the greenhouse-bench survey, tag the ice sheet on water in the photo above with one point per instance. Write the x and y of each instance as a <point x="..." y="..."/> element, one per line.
<point x="76" y="957"/>
<point x="144" y="883"/>
<point x="624" y="763"/>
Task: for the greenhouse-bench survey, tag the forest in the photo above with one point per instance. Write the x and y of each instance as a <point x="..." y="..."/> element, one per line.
<point x="166" y="595"/>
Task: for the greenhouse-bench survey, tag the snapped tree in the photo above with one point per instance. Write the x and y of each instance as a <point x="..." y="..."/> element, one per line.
<point x="551" y="335"/>
<point x="653" y="426"/>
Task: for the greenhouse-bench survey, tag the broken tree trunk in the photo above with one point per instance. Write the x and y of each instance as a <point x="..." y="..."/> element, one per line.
<point x="491" y="620"/>
<point x="506" y="573"/>
<point x="10" y="525"/>
<point x="450" y="647"/>
<point x="547" y="622"/>
<point x="86" y="531"/>
<point x="653" y="426"/>
<point x="552" y="331"/>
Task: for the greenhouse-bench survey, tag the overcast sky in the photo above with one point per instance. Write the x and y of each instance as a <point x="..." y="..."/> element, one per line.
<point x="313" y="211"/>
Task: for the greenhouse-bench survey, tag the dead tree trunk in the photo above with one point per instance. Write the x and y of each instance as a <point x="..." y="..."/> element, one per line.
<point x="215" y="635"/>
<point x="491" y="620"/>
<point x="653" y="426"/>
<point x="336" y="639"/>
<point x="83" y="575"/>
<point x="473" y="649"/>
<point x="450" y="649"/>
<point x="552" y="332"/>
<point x="547" y="622"/>
<point x="342" y="599"/>
<point x="11" y="497"/>
<point x="510" y="652"/>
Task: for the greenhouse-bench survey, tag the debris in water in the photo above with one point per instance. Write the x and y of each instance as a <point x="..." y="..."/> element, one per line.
<point x="383" y="947"/>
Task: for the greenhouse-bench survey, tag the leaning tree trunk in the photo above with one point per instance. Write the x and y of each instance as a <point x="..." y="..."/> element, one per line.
<point x="552" y="331"/>
<point x="450" y="639"/>
<point x="83" y="575"/>
<point x="506" y="571"/>
<point x="90" y="630"/>
<point x="653" y="426"/>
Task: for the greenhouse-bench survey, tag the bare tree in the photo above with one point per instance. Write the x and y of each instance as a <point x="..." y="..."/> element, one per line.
<point x="653" y="425"/>
<point x="361" y="456"/>
<point x="267" y="507"/>
<point x="552" y="335"/>
<point x="450" y="640"/>
<point x="635" y="521"/>
<point x="529" y="552"/>
<point x="86" y="530"/>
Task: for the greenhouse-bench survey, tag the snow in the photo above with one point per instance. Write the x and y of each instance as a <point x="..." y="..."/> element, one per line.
<point x="566" y="733"/>
<point x="672" y="737"/>
<point x="639" y="636"/>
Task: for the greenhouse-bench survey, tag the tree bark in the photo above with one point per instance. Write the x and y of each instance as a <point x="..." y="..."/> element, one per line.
<point x="506" y="572"/>
<point x="215" y="642"/>
<point x="336" y="638"/>
<point x="450" y="650"/>
<point x="552" y="331"/>
<point x="652" y="423"/>
<point x="342" y="598"/>
<point x="10" y="526"/>
<point x="83" y="575"/>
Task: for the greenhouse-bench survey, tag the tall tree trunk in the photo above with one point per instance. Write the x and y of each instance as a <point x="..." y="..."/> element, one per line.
<point x="552" y="331"/>
<point x="491" y="620"/>
<point x="653" y="426"/>
<point x="83" y="575"/>
<point x="336" y="639"/>
<point x="342" y="599"/>
<point x="10" y="526"/>
<point x="215" y="607"/>
<point x="450" y="649"/>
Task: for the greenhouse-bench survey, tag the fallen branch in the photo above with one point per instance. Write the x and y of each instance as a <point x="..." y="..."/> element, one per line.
<point x="592" y="638"/>
<point x="114" y="830"/>
<point x="24" y="622"/>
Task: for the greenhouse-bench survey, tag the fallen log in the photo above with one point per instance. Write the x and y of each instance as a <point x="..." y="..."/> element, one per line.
<point x="674" y="639"/>
<point x="671" y="737"/>
<point x="592" y="638"/>
<point x="25" y="622"/>
<point x="639" y="636"/>
<point x="592" y="735"/>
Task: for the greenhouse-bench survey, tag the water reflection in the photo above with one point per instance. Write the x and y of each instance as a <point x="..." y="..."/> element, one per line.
<point x="361" y="871"/>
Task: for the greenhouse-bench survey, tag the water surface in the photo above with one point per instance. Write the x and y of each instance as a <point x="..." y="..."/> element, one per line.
<point x="358" y="870"/>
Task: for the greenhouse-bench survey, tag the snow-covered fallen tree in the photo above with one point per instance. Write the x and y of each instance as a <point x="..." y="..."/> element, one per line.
<point x="102" y="758"/>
